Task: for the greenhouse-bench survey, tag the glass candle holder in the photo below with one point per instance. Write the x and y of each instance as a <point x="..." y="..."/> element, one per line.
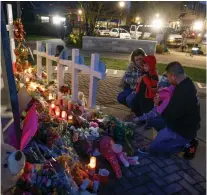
<point x="57" y="111"/>
<point x="63" y="115"/>
<point x="70" y="119"/>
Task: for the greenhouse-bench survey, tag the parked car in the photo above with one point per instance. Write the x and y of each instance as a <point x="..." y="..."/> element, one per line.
<point x="102" y="31"/>
<point x="119" y="33"/>
<point x="147" y="31"/>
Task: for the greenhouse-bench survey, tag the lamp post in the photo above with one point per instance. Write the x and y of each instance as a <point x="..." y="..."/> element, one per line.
<point x="79" y="15"/>
<point x="138" y="22"/>
<point x="121" y="5"/>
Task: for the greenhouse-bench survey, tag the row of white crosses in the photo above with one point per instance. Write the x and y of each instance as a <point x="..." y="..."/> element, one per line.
<point x="96" y="71"/>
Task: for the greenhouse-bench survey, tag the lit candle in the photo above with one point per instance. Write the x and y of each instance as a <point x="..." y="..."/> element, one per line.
<point x="52" y="105"/>
<point x="92" y="165"/>
<point x="33" y="86"/>
<point x="57" y="111"/>
<point x="92" y="162"/>
<point x="70" y="119"/>
<point x="50" y="96"/>
<point x="51" y="109"/>
<point x="29" y="70"/>
<point x="64" y="115"/>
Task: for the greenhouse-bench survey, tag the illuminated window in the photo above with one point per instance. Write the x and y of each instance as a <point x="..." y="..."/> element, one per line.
<point x="44" y="19"/>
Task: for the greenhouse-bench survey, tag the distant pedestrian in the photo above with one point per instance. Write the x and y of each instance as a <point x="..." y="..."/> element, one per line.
<point x="185" y="35"/>
<point x="62" y="30"/>
<point x="132" y="74"/>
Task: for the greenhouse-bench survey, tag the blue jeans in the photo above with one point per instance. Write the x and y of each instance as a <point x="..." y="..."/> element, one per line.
<point x="125" y="97"/>
<point x="158" y="123"/>
<point x="167" y="142"/>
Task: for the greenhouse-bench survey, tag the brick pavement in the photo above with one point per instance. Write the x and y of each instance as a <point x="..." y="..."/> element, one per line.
<point x="107" y="89"/>
<point x="154" y="175"/>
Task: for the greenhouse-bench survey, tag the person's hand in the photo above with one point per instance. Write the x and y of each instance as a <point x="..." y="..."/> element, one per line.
<point x="157" y="99"/>
<point x="139" y="79"/>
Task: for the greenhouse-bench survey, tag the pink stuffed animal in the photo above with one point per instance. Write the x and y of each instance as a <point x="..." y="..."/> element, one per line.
<point x="122" y="156"/>
<point x="106" y="143"/>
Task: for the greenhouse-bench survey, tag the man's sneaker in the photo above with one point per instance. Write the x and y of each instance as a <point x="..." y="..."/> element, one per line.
<point x="189" y="152"/>
<point x="143" y="150"/>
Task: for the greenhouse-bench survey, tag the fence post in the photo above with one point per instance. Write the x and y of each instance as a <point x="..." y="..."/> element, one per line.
<point x="60" y="75"/>
<point x="48" y="62"/>
<point x="75" y="60"/>
<point x="93" y="86"/>
<point x="11" y="32"/>
<point x="39" y="60"/>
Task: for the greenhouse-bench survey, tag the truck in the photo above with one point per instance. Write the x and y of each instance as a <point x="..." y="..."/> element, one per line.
<point x="148" y="31"/>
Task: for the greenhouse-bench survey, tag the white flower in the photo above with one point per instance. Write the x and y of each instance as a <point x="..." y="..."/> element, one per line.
<point x="95" y="133"/>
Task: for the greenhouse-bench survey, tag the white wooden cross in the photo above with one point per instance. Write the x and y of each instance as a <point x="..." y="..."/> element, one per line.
<point x="97" y="70"/>
<point x="10" y="28"/>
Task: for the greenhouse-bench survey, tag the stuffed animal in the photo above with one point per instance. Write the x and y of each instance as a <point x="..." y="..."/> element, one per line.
<point x="82" y="100"/>
<point x="12" y="167"/>
<point x="122" y="156"/>
<point x="106" y="144"/>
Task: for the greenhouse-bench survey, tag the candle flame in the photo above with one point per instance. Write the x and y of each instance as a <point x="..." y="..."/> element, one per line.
<point x="92" y="163"/>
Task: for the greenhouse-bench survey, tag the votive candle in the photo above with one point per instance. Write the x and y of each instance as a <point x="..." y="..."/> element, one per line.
<point x="57" y="111"/>
<point x="63" y="114"/>
<point x="70" y="119"/>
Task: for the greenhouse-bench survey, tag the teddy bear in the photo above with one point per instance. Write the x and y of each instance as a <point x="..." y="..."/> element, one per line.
<point x="12" y="167"/>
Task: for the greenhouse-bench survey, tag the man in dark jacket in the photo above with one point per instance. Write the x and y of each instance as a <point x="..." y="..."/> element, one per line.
<point x="182" y="114"/>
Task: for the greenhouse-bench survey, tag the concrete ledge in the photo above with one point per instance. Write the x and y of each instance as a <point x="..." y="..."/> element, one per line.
<point x="118" y="45"/>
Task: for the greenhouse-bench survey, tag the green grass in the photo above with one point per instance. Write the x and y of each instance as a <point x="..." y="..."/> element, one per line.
<point x="196" y="74"/>
<point x="37" y="38"/>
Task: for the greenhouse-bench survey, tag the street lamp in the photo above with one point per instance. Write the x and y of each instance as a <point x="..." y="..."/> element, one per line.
<point x="80" y="12"/>
<point x="121" y="5"/>
<point x="137" y="18"/>
<point x="79" y="15"/>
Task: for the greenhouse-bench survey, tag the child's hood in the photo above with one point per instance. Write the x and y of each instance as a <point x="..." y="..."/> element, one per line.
<point x="151" y="61"/>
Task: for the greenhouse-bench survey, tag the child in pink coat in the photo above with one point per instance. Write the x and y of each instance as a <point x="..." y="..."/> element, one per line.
<point x="165" y="95"/>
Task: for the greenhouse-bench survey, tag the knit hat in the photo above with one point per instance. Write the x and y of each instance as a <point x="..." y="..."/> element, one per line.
<point x="151" y="61"/>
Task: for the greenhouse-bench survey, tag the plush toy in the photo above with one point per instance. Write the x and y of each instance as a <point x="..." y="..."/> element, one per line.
<point x="12" y="167"/>
<point x="82" y="100"/>
<point x="106" y="150"/>
<point x="122" y="156"/>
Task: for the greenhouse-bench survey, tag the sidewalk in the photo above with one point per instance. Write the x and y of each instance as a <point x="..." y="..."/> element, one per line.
<point x="155" y="175"/>
<point x="106" y="97"/>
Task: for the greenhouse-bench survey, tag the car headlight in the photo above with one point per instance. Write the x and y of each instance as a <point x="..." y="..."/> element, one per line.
<point x="171" y="40"/>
